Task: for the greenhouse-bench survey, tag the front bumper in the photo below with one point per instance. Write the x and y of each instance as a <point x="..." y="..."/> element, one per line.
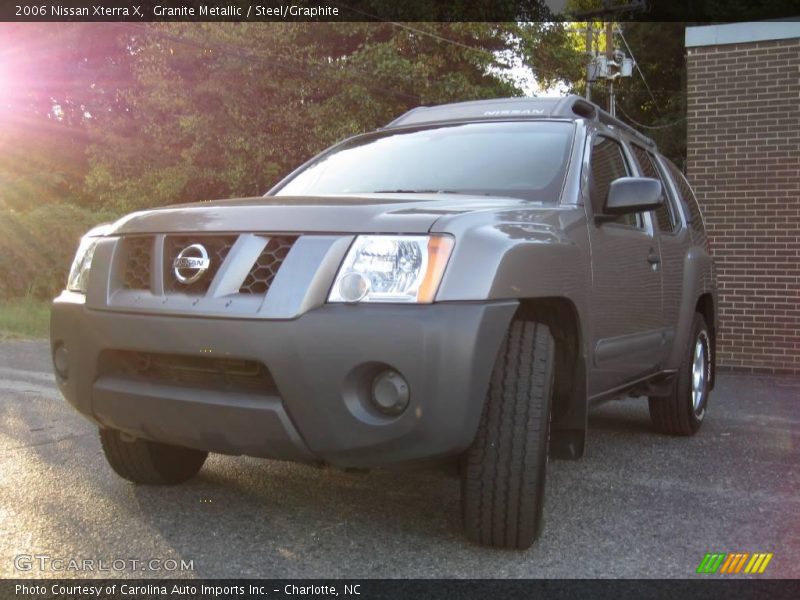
<point x="445" y="351"/>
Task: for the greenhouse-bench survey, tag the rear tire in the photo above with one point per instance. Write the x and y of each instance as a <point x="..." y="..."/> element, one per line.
<point x="682" y="412"/>
<point x="152" y="463"/>
<point x="503" y="472"/>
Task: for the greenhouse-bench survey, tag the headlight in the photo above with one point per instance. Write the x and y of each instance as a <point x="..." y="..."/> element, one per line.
<point x="392" y="268"/>
<point x="78" y="280"/>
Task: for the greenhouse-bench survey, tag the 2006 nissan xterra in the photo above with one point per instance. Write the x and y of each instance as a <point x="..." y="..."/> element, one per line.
<point x="462" y="283"/>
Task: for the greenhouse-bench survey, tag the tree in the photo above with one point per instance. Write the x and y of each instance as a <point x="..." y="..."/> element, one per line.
<point x="221" y="110"/>
<point x="54" y="77"/>
<point x="653" y="99"/>
<point x="660" y="111"/>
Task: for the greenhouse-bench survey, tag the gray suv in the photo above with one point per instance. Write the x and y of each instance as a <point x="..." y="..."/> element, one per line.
<point x="462" y="283"/>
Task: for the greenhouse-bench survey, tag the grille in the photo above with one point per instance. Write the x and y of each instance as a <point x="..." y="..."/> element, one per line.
<point x="217" y="247"/>
<point x="266" y="266"/>
<point x="139" y="256"/>
<point x="137" y="266"/>
<point x="199" y="372"/>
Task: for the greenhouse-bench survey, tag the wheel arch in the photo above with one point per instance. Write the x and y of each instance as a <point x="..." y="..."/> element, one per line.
<point x="698" y="295"/>
<point x="570" y="407"/>
<point x="705" y="306"/>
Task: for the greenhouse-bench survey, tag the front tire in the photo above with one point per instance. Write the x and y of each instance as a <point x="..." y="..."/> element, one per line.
<point x="503" y="472"/>
<point x="682" y="412"/>
<point x="151" y="463"/>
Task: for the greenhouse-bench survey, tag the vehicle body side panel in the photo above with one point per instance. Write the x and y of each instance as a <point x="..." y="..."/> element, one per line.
<point x="698" y="277"/>
<point x="522" y="254"/>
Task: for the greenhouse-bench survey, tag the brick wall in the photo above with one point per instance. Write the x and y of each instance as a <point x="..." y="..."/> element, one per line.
<point x="744" y="164"/>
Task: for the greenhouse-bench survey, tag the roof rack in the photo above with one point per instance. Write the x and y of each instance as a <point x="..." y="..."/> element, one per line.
<point x="569" y="107"/>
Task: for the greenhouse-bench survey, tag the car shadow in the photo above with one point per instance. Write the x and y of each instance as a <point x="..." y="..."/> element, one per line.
<point x="629" y="416"/>
<point x="290" y="512"/>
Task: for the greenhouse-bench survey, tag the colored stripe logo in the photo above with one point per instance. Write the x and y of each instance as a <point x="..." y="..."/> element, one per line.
<point x="735" y="562"/>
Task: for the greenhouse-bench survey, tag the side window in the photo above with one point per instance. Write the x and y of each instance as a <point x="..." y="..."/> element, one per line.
<point x="665" y="215"/>
<point x="607" y="163"/>
<point x="687" y="196"/>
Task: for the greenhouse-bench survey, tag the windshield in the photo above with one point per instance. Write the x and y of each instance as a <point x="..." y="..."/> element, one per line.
<point x="517" y="159"/>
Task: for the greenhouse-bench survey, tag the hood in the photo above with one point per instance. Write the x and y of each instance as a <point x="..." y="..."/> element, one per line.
<point x="365" y="213"/>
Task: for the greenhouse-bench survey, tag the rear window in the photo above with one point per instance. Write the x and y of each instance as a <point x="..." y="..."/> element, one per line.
<point x="517" y="159"/>
<point x="665" y="217"/>
<point x="687" y="195"/>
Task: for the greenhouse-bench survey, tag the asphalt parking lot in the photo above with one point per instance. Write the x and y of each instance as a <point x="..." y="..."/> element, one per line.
<point x="638" y="505"/>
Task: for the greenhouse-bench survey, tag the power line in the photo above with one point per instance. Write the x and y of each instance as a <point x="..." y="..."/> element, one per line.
<point x="635" y="62"/>
<point x="536" y="70"/>
<point x="665" y="126"/>
<point x="240" y="52"/>
<point x="542" y="72"/>
<point x="410" y="28"/>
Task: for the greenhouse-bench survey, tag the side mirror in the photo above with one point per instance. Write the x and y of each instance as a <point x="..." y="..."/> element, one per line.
<point x="632" y="195"/>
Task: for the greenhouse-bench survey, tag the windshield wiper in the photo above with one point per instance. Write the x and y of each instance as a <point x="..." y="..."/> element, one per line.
<point x="415" y="192"/>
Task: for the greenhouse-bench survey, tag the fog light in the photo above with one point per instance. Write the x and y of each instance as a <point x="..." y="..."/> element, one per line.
<point x="61" y="360"/>
<point x="390" y="392"/>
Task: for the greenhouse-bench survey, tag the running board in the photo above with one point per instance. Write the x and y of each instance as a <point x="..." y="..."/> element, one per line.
<point x="662" y="384"/>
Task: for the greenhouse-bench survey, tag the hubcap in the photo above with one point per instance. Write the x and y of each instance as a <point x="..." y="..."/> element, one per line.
<point x="699" y="371"/>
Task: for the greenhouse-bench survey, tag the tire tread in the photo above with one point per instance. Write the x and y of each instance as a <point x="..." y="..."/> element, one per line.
<point x="503" y="471"/>
<point x="151" y="463"/>
<point x="672" y="414"/>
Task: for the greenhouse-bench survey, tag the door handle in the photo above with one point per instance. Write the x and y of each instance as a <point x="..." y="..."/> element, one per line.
<point x="653" y="258"/>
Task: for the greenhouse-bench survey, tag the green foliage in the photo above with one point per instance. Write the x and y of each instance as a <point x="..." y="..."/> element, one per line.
<point x="41" y="167"/>
<point x="656" y="108"/>
<point x="393" y="69"/>
<point x="37" y="247"/>
<point x="660" y="54"/>
<point x="554" y="51"/>
<point x="26" y="317"/>
<point x="52" y="77"/>
<point x="221" y="110"/>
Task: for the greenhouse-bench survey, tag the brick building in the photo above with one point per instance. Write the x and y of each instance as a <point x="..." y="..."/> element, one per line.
<point x="744" y="163"/>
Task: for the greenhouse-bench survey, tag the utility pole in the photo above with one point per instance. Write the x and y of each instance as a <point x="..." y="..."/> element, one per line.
<point x="612" y="63"/>
<point x="612" y="109"/>
<point x="590" y="64"/>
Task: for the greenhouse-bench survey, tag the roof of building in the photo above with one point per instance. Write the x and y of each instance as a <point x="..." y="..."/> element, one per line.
<point x="565" y="107"/>
<point x="741" y="33"/>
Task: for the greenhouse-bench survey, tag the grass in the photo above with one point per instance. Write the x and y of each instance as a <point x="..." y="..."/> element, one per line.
<point x="24" y="318"/>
